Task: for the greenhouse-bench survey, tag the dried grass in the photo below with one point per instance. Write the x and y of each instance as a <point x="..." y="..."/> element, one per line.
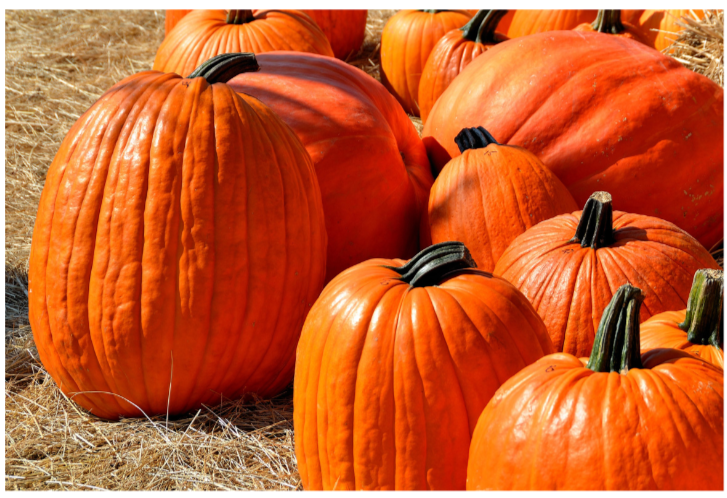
<point x="700" y="45"/>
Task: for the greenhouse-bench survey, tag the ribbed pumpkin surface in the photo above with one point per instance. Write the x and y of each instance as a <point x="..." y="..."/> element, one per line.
<point x="345" y="29"/>
<point x="662" y="331"/>
<point x="529" y="22"/>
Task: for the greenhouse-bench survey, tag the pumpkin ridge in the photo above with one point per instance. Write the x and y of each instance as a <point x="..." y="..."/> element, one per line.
<point x="628" y="276"/>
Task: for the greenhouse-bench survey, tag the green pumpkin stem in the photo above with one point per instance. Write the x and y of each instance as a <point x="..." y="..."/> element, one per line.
<point x="222" y="68"/>
<point x="432" y="11"/>
<point x="595" y="228"/>
<point x="431" y="264"/>
<point x="703" y="321"/>
<point x="239" y="16"/>
<point x="474" y="138"/>
<point x="608" y="21"/>
<point x="617" y="344"/>
<point x="481" y="28"/>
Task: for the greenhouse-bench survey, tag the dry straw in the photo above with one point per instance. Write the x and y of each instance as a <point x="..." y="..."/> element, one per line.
<point x="700" y="44"/>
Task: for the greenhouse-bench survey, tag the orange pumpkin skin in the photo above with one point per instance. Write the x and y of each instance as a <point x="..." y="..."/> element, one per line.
<point x="597" y="123"/>
<point x="631" y="16"/>
<point x="614" y="27"/>
<point x="203" y="34"/>
<point x="383" y="366"/>
<point x="529" y="22"/>
<point x="345" y="29"/>
<point x="657" y="26"/>
<point x="488" y="196"/>
<point x="504" y="23"/>
<point x="156" y="273"/>
<point x="557" y="425"/>
<point x="662" y="331"/>
<point x="171" y="18"/>
<point x="452" y="53"/>
<point x="406" y="42"/>
<point x="569" y="285"/>
<point x="371" y="164"/>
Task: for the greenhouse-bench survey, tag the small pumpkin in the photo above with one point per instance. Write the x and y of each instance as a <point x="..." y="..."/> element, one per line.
<point x="699" y="329"/>
<point x="203" y="34"/>
<point x="659" y="28"/>
<point x="529" y="22"/>
<point x="171" y="18"/>
<point x="570" y="265"/>
<point x="491" y="194"/>
<point x="345" y="29"/>
<point x="619" y="420"/>
<point x="406" y="42"/>
<point x="453" y="52"/>
<point x="178" y="246"/>
<point x="609" y="22"/>
<point x="395" y="364"/>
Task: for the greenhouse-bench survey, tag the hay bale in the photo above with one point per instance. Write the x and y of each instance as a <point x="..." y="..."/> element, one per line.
<point x="700" y="45"/>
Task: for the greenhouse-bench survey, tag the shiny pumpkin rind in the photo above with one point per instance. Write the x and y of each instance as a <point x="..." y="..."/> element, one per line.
<point x="345" y="29"/>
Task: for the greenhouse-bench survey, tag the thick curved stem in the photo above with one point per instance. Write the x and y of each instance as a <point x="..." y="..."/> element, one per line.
<point x="239" y="16"/>
<point x="431" y="264"/>
<point x="703" y="321"/>
<point x="608" y="21"/>
<point x="222" y="68"/>
<point x="595" y="228"/>
<point x="617" y="344"/>
<point x="474" y="138"/>
<point x="481" y="28"/>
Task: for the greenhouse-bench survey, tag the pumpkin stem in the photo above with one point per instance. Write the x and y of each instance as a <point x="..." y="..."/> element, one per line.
<point x="222" y="68"/>
<point x="617" y="344"/>
<point x="239" y="16"/>
<point x="481" y="28"/>
<point x="595" y="229"/>
<point x="474" y="138"/>
<point x="703" y="322"/>
<point x="608" y="21"/>
<point x="431" y="264"/>
<point x="432" y="11"/>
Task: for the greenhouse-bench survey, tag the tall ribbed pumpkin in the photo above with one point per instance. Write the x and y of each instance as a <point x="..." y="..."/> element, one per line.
<point x="569" y="266"/>
<point x="203" y="34"/>
<point x="172" y="17"/>
<point x="178" y="246"/>
<point x="406" y="42"/>
<point x="371" y="165"/>
<point x="345" y="29"/>
<point x="529" y="22"/>
<point x="395" y="364"/>
<point x="659" y="27"/>
<point x="598" y="122"/>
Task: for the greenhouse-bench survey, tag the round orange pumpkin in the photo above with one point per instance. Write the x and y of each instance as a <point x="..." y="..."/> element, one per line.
<point x="203" y="34"/>
<point x="491" y="194"/>
<point x="171" y="18"/>
<point x="345" y="29"/>
<point x="453" y="52"/>
<point x="178" y="246"/>
<point x="699" y="329"/>
<point x="598" y="122"/>
<point x="659" y="28"/>
<point x="529" y="22"/>
<point x="371" y="165"/>
<point x="406" y="42"/>
<point x="396" y="362"/>
<point x="619" y="420"/>
<point x="569" y="267"/>
<point x="609" y="22"/>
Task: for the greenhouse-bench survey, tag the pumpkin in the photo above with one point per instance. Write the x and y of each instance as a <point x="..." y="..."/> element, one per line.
<point x="178" y="246"/>
<point x="597" y="122"/>
<point x="504" y="23"/>
<point x="609" y="22"/>
<point x="529" y="22"/>
<point x="395" y="363"/>
<point x="406" y="42"/>
<point x="203" y="34"/>
<point x="659" y="28"/>
<point x="699" y="329"/>
<point x="569" y="267"/>
<point x="631" y="16"/>
<point x="345" y="29"/>
<point x="491" y="194"/>
<point x="371" y="165"/>
<point x="453" y="52"/>
<point x="172" y="17"/>
<point x="618" y="420"/>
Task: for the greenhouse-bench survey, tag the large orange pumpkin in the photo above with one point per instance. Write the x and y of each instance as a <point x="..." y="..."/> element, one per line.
<point x="371" y="165"/>
<point x="395" y="364"/>
<point x="529" y="22"/>
<point x="619" y="420"/>
<point x="406" y="42"/>
<point x="178" y="246"/>
<point x="598" y="122"/>
<point x="609" y="22"/>
<point x="453" y="52"/>
<point x="569" y="267"/>
<point x="203" y="34"/>
<point x="171" y="18"/>
<point x="699" y="329"/>
<point x="659" y="28"/>
<point x="491" y="194"/>
<point x="345" y="29"/>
